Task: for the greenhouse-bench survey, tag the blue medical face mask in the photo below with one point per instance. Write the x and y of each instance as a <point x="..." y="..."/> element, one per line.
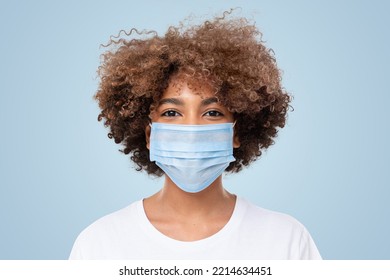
<point x="193" y="156"/>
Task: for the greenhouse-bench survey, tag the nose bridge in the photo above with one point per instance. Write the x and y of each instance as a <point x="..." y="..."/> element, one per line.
<point x="192" y="116"/>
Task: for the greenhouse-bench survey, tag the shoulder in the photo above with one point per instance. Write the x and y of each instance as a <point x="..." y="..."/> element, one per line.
<point x="263" y="217"/>
<point x="106" y="232"/>
<point x="113" y="221"/>
<point x="279" y="230"/>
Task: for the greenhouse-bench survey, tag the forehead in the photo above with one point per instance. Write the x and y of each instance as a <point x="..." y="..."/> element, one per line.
<point x="184" y="87"/>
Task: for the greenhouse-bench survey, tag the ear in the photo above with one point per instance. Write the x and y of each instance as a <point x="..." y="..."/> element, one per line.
<point x="236" y="141"/>
<point x="147" y="136"/>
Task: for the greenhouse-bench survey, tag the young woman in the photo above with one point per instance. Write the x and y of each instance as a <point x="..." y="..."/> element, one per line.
<point x="190" y="105"/>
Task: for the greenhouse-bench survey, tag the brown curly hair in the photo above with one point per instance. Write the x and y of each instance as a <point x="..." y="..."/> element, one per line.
<point x="226" y="53"/>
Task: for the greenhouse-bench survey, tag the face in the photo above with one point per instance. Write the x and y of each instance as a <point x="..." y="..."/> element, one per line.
<point x="180" y="104"/>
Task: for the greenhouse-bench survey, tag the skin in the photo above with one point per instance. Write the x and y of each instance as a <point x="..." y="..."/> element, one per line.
<point x="177" y="214"/>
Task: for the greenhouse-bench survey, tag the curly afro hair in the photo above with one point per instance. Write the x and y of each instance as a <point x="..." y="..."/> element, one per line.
<point x="226" y="53"/>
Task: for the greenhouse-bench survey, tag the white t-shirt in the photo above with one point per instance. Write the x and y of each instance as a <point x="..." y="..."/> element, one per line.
<point x="251" y="233"/>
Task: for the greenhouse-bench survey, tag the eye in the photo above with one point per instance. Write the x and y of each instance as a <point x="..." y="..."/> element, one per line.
<point x="213" y="113"/>
<point x="170" y="113"/>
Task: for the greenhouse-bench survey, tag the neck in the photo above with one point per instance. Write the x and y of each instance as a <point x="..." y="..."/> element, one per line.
<point x="189" y="216"/>
<point x="210" y="200"/>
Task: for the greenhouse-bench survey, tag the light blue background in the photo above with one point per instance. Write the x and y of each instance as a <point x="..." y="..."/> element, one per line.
<point x="329" y="167"/>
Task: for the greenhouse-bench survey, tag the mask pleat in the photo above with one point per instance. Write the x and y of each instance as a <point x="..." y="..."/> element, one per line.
<point x="193" y="156"/>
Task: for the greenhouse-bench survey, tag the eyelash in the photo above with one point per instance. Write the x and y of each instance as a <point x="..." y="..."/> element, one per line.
<point x="168" y="112"/>
<point x="218" y="113"/>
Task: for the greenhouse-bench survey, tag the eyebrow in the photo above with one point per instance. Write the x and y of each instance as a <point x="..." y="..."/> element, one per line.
<point x="209" y="101"/>
<point x="174" y="101"/>
<point x="179" y="102"/>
